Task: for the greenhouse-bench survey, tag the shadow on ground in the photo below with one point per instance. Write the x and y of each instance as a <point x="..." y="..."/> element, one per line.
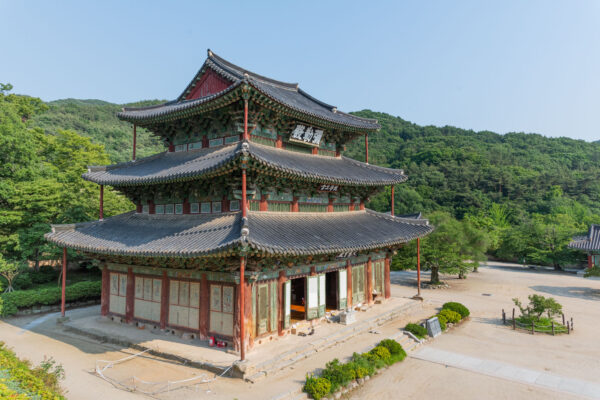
<point x="580" y="292"/>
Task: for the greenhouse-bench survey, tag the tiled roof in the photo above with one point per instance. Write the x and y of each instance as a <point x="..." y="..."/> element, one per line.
<point x="133" y="234"/>
<point x="166" y="167"/>
<point x="286" y="94"/>
<point x="590" y="242"/>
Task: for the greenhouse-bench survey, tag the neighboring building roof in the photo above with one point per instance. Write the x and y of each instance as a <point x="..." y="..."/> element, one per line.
<point x="591" y="242"/>
<point x="287" y="94"/>
<point x="166" y="167"/>
<point x="194" y="235"/>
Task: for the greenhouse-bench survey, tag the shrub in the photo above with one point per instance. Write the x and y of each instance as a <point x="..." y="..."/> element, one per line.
<point x="45" y="274"/>
<point x="381" y="353"/>
<point x="49" y="296"/>
<point x="416" y="330"/>
<point x="362" y="361"/>
<point x="443" y="321"/>
<point x="395" y="349"/>
<point x="361" y="372"/>
<point x="457" y="307"/>
<point x="338" y="374"/>
<point x="317" y="387"/>
<point x="451" y="316"/>
<point x="539" y="305"/>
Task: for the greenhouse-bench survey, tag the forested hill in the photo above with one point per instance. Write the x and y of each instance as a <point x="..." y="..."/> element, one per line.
<point x="527" y="192"/>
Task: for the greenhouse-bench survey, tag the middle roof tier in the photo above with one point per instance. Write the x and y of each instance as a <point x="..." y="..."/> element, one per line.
<point x="195" y="164"/>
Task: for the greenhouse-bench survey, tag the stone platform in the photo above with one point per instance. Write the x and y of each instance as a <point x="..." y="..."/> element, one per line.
<point x="267" y="358"/>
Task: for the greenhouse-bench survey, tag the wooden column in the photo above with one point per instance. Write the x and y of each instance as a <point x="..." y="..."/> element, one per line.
<point x="295" y="207"/>
<point x="129" y="296"/>
<point x="151" y="207"/>
<point x="386" y="276"/>
<point x="419" y="267"/>
<point x="101" y="202"/>
<point x="138" y="207"/>
<point x="369" y="281"/>
<point x="171" y="147"/>
<point x="164" y="301"/>
<point x="263" y="204"/>
<point x="362" y="205"/>
<point x="349" y="282"/>
<point x="225" y="204"/>
<point x="105" y="295"/>
<point x="392" y="200"/>
<point x="244" y="199"/>
<point x="351" y="207"/>
<point x="338" y="153"/>
<point x="330" y="205"/>
<point x="242" y="313"/>
<point x="64" y="282"/>
<point x="204" y="306"/>
<point x="186" y="206"/>
<point x="367" y="148"/>
<point x="279" y="142"/>
<point x="590" y="263"/>
<point x="315" y="151"/>
<point x="246" y="118"/>
<point x="281" y="295"/>
<point x="134" y="140"/>
<point x="205" y="141"/>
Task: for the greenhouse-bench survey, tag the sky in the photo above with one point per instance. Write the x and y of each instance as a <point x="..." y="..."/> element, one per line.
<point x="504" y="66"/>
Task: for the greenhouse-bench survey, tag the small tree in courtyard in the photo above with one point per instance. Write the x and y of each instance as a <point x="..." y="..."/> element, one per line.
<point x="9" y="271"/>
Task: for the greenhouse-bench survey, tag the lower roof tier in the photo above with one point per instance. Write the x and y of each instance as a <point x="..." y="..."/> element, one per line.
<point x="591" y="242"/>
<point x="270" y="233"/>
<point x="172" y="166"/>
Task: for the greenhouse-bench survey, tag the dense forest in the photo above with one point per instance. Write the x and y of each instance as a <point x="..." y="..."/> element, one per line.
<point x="528" y="194"/>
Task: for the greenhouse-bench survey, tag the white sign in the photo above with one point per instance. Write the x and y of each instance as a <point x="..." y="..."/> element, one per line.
<point x="328" y="188"/>
<point x="307" y="134"/>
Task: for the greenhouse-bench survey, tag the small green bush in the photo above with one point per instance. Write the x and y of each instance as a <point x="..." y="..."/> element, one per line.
<point x="381" y="353"/>
<point x="451" y="316"/>
<point x="361" y="372"/>
<point x="416" y="330"/>
<point x="457" y="307"/>
<point x="395" y="349"/>
<point x="317" y="387"/>
<point x="361" y="360"/>
<point x="49" y="296"/>
<point x="338" y="374"/>
<point x="443" y="321"/>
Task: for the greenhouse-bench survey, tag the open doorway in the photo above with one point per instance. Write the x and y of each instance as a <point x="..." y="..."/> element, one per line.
<point x="298" y="299"/>
<point x="331" y="291"/>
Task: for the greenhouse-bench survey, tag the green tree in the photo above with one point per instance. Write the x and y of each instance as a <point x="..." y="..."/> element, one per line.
<point x="9" y="271"/>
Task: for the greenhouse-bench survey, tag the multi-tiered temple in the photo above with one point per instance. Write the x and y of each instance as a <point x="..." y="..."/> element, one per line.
<point x="251" y="219"/>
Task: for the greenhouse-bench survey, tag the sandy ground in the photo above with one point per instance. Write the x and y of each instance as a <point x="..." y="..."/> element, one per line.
<point x="486" y="293"/>
<point x="576" y="355"/>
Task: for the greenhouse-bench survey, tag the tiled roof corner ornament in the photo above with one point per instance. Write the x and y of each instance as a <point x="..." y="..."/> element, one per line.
<point x="245" y="148"/>
<point x="334" y="110"/>
<point x="209" y="52"/>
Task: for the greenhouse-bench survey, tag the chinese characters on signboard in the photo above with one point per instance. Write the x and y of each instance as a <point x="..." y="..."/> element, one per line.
<point x="328" y="188"/>
<point x="307" y="134"/>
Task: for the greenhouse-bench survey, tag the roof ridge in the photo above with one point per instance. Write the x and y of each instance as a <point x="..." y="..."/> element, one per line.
<point x="411" y="221"/>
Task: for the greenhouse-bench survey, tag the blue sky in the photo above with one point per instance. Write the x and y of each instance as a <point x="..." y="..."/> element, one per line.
<point x="531" y="66"/>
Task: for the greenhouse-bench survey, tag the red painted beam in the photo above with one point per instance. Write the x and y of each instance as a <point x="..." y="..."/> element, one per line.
<point x="242" y="318"/>
<point x="369" y="281"/>
<point x="64" y="282"/>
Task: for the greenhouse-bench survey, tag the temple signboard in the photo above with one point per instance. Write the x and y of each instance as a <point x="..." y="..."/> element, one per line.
<point x="307" y="135"/>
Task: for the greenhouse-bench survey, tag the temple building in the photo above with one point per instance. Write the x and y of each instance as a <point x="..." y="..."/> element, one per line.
<point x="590" y="244"/>
<point x="250" y="221"/>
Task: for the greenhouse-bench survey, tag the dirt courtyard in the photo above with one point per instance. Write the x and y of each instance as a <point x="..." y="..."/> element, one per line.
<point x="485" y="293"/>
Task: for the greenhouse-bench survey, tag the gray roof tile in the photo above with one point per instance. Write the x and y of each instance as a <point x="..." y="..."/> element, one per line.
<point x="133" y="234"/>
<point x="591" y="242"/>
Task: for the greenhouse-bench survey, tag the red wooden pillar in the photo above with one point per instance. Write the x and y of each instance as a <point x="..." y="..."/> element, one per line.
<point x="386" y="276"/>
<point x="101" y="202"/>
<point x="315" y="151"/>
<point x="338" y="153"/>
<point x="225" y="205"/>
<point x="205" y="141"/>
<point x="151" y="207"/>
<point x="419" y="267"/>
<point x="295" y="204"/>
<point x="64" y="282"/>
<point x="351" y="207"/>
<point x="105" y="295"/>
<point x="330" y="205"/>
<point x="392" y="200"/>
<point x="590" y="263"/>
<point x="134" y="140"/>
<point x="242" y="306"/>
<point x="171" y="147"/>
<point x="204" y="306"/>
<point x="246" y="118"/>
<point x="281" y="295"/>
<point x="186" y="206"/>
<point x="129" y="295"/>
<point x="263" y="204"/>
<point x="362" y="205"/>
<point x="369" y="281"/>
<point x="349" y="282"/>
<point x="164" y="301"/>
<point x="138" y="207"/>
<point x="279" y="142"/>
<point x="367" y="148"/>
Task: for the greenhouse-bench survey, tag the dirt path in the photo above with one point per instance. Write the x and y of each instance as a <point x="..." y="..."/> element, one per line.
<point x="486" y="293"/>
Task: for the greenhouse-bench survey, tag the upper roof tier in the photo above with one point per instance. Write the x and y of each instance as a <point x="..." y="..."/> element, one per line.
<point x="274" y="233"/>
<point x="591" y="242"/>
<point x="179" y="166"/>
<point x="229" y="82"/>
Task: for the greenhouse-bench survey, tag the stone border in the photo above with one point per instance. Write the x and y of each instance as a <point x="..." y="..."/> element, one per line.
<point x="43" y="309"/>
